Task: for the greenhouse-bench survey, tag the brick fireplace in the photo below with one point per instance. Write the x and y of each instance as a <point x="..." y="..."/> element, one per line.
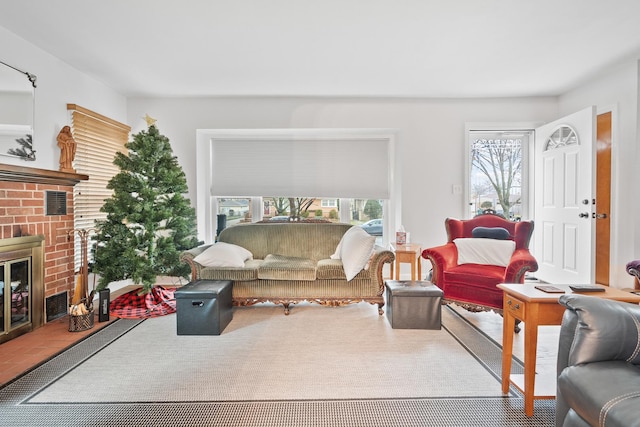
<point x="39" y="202"/>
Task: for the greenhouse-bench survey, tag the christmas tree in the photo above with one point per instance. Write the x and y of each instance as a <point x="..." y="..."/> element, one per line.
<point x="149" y="219"/>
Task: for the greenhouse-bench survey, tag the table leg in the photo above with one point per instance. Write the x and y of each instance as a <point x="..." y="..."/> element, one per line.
<point x="413" y="269"/>
<point x="507" y="349"/>
<point x="397" y="269"/>
<point x="530" y="349"/>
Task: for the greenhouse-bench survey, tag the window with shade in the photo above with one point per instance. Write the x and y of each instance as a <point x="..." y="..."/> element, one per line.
<point x="330" y="173"/>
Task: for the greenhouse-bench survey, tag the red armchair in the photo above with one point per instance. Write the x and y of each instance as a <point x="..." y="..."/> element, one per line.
<point x="473" y="286"/>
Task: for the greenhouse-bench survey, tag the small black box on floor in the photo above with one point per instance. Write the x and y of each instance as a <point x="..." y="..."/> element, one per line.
<point x="104" y="299"/>
<point x="203" y="307"/>
<point x="414" y="304"/>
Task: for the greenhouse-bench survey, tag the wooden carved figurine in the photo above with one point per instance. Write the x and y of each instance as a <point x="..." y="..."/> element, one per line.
<point x="67" y="149"/>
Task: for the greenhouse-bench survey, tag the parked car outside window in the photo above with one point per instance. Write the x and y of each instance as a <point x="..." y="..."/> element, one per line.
<point x="373" y="227"/>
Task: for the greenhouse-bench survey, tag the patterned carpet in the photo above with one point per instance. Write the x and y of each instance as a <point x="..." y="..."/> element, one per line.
<point x="18" y="409"/>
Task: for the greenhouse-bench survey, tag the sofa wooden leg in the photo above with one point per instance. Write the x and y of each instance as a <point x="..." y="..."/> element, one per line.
<point x="286" y="309"/>
<point x="380" y="310"/>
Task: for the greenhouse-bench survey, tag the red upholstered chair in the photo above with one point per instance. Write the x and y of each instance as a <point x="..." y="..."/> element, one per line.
<point x="471" y="285"/>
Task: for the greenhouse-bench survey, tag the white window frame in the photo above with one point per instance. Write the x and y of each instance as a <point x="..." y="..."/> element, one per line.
<point x="527" y="164"/>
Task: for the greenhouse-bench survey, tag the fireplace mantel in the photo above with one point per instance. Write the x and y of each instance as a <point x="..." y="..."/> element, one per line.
<point x="39" y="176"/>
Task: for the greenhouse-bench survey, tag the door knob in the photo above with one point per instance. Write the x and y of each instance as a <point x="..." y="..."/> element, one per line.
<point x="583" y="215"/>
<point x="600" y="216"/>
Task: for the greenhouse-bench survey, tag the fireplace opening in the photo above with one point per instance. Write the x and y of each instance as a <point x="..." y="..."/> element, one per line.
<point x="16" y="288"/>
<point x="21" y="285"/>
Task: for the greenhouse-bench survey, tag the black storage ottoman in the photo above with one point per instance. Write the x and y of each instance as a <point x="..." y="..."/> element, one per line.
<point x="414" y="304"/>
<point x="203" y="307"/>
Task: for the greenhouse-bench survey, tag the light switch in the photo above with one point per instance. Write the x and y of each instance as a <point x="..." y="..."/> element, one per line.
<point x="457" y="189"/>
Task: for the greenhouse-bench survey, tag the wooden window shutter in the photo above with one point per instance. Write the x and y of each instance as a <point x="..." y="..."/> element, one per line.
<point x="98" y="139"/>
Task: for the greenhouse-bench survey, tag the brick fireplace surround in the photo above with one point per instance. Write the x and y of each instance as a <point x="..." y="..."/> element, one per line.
<point x="23" y="193"/>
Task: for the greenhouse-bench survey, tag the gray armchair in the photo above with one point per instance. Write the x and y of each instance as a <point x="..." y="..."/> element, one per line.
<point x="598" y="363"/>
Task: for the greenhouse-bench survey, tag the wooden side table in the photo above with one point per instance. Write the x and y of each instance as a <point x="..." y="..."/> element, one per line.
<point x="535" y="308"/>
<point x="409" y="253"/>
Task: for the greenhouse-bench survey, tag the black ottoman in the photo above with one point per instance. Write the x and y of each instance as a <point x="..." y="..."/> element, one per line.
<point x="413" y="304"/>
<point x="203" y="307"/>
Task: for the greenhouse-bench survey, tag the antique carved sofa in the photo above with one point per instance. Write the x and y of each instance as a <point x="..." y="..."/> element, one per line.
<point x="598" y="363"/>
<point x="479" y="254"/>
<point x="286" y="263"/>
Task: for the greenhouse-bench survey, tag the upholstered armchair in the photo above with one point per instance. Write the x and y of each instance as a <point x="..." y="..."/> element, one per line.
<point x="633" y="268"/>
<point x="479" y="254"/>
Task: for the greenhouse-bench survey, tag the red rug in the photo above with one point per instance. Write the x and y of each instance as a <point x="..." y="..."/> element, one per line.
<point x="158" y="302"/>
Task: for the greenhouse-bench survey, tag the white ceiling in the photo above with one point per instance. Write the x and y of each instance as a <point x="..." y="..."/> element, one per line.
<point x="414" y="48"/>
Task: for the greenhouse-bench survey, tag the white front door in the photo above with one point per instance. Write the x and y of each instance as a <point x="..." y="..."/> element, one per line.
<point x="563" y="199"/>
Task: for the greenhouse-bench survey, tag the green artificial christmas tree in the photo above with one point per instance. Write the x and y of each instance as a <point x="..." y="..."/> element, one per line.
<point x="149" y="219"/>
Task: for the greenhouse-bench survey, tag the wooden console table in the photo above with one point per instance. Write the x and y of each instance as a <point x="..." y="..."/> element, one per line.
<point x="535" y="308"/>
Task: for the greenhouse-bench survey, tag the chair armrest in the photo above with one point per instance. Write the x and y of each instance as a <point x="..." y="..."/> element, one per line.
<point x="188" y="256"/>
<point x="442" y="258"/>
<point x="378" y="259"/>
<point x="521" y="262"/>
<point x="633" y="268"/>
<point x="604" y="330"/>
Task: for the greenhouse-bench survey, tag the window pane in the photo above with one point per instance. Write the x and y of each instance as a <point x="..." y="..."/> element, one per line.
<point x="279" y="208"/>
<point x="368" y="214"/>
<point x="237" y="210"/>
<point x="496" y="173"/>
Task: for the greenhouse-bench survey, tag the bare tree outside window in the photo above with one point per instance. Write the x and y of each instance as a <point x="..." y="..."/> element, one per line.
<point x="496" y="174"/>
<point x="298" y="206"/>
<point x="281" y="205"/>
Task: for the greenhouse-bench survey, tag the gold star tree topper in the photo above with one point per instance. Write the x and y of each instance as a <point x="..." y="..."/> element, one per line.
<point x="150" y="120"/>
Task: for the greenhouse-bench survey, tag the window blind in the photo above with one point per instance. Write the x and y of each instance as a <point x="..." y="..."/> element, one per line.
<point x="97" y="138"/>
<point x="340" y="167"/>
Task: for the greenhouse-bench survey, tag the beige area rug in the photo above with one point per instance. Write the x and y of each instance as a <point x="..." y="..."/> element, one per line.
<point x="315" y="353"/>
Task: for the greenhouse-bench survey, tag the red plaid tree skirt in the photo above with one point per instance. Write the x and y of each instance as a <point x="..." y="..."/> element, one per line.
<point x="158" y="302"/>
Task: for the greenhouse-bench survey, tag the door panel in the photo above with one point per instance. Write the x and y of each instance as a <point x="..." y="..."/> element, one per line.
<point x="563" y="202"/>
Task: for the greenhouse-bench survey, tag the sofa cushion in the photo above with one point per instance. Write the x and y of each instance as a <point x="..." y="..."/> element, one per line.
<point x="223" y="255"/>
<point x="330" y="269"/>
<point x="499" y="233"/>
<point x="314" y="241"/>
<point x="282" y="267"/>
<point x="479" y="275"/>
<point x="248" y="272"/>
<point x="484" y="251"/>
<point x="355" y="247"/>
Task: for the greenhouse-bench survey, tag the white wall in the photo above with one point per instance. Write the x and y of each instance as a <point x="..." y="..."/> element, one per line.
<point x="430" y="133"/>
<point x="58" y="84"/>
<point x="617" y="90"/>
